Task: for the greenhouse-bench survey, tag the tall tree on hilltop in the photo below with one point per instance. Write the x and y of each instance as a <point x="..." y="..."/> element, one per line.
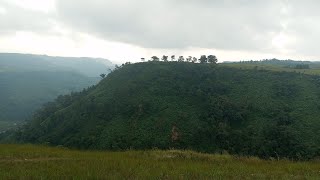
<point x="194" y="59"/>
<point x="189" y="59"/>
<point x="165" y="58"/>
<point x="155" y="58"/>
<point x="181" y="59"/>
<point x="203" y="59"/>
<point x="212" y="59"/>
<point x="173" y="58"/>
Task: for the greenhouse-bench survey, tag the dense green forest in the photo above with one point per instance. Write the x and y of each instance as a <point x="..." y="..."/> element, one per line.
<point x="28" y="81"/>
<point x="198" y="106"/>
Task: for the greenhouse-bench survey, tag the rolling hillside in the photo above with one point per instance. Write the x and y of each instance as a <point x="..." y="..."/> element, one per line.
<point x="203" y="107"/>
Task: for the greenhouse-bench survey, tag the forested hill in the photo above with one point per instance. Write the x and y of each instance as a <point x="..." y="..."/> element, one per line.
<point x="203" y="107"/>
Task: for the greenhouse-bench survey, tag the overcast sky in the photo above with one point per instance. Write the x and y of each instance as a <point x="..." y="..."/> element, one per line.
<point x="126" y="30"/>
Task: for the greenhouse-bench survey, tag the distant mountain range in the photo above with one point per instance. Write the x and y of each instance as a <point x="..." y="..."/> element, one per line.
<point x="90" y="67"/>
<point x="27" y="81"/>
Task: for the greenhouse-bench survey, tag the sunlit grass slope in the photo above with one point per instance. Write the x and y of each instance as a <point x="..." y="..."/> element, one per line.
<point x="38" y="162"/>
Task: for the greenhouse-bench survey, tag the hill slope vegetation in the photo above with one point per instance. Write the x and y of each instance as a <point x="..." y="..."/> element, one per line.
<point x="203" y="107"/>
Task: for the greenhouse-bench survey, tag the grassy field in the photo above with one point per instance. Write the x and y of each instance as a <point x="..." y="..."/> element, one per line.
<point x="38" y="162"/>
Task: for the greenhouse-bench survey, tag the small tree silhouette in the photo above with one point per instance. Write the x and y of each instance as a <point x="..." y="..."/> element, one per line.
<point x="102" y="75"/>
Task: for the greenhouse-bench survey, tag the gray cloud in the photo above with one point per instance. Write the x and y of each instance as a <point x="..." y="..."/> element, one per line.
<point x="241" y="25"/>
<point x="177" y="23"/>
<point x="15" y="18"/>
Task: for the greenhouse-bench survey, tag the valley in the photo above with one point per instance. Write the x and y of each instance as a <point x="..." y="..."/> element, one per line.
<point x="29" y="81"/>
